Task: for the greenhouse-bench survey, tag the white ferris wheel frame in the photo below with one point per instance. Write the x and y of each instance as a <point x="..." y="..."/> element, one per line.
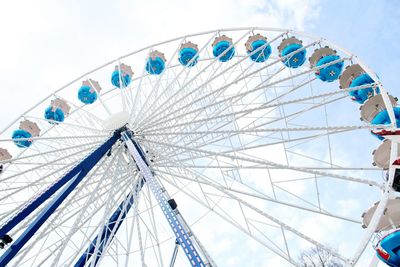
<point x="387" y="189"/>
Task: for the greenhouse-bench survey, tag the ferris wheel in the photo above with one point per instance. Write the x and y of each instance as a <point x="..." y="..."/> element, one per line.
<point x="234" y="147"/>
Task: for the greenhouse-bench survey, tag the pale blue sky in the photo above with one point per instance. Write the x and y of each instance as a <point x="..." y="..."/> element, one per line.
<point x="47" y="43"/>
<point x="369" y="29"/>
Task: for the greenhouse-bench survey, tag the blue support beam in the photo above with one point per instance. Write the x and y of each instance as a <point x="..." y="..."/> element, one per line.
<point x="178" y="225"/>
<point x="110" y="229"/>
<point x="69" y="181"/>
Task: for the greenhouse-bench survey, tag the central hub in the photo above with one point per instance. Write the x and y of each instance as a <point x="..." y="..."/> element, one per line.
<point x="116" y="121"/>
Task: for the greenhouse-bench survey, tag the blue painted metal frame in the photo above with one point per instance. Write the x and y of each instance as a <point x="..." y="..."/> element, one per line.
<point x="70" y="181"/>
<point x="111" y="227"/>
<point x="178" y="227"/>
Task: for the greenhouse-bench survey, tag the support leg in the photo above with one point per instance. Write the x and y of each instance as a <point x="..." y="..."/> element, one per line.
<point x="68" y="182"/>
<point x="174" y="254"/>
<point x="110" y="229"/>
<point x="194" y="251"/>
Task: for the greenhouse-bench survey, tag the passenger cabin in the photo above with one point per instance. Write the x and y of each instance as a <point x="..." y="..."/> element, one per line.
<point x="57" y="111"/>
<point x="355" y="76"/>
<point x="121" y="76"/>
<point x="223" y="48"/>
<point x="287" y="51"/>
<point x="323" y="59"/>
<point x="258" y="48"/>
<point x="27" y="129"/>
<point x="188" y="54"/>
<point x="388" y="248"/>
<point x="87" y="93"/>
<point x="155" y="63"/>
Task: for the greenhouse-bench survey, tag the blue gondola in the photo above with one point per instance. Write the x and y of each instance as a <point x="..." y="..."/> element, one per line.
<point x="329" y="73"/>
<point x="353" y="76"/>
<point x="291" y="45"/>
<point x="259" y="44"/>
<point x="388" y="249"/>
<point x="383" y="118"/>
<point x="155" y="64"/>
<point x="54" y="114"/>
<point x="122" y="73"/>
<point x="27" y="129"/>
<point x="324" y="56"/>
<point x="188" y="54"/>
<point x="17" y="134"/>
<point x="57" y="111"/>
<point x="221" y="48"/>
<point x="87" y="93"/>
<point x="360" y="96"/>
<point x="115" y="79"/>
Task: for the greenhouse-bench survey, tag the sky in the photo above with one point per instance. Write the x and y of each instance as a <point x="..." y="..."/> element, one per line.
<point x="45" y="44"/>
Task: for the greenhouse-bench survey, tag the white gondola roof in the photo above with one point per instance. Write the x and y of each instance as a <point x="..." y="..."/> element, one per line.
<point x="190" y="45"/>
<point x="382" y="154"/>
<point x="319" y="53"/>
<point x="30" y="127"/>
<point x="94" y="85"/>
<point x="221" y="38"/>
<point x="124" y="68"/>
<point x="62" y="104"/>
<point x="4" y="154"/>
<point x="373" y="106"/>
<point x="287" y="41"/>
<point x="252" y="39"/>
<point x="390" y="218"/>
<point x="349" y="74"/>
<point x="154" y="54"/>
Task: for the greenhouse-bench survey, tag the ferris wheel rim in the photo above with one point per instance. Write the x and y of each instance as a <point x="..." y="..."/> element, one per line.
<point x="315" y="37"/>
<point x="352" y="56"/>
